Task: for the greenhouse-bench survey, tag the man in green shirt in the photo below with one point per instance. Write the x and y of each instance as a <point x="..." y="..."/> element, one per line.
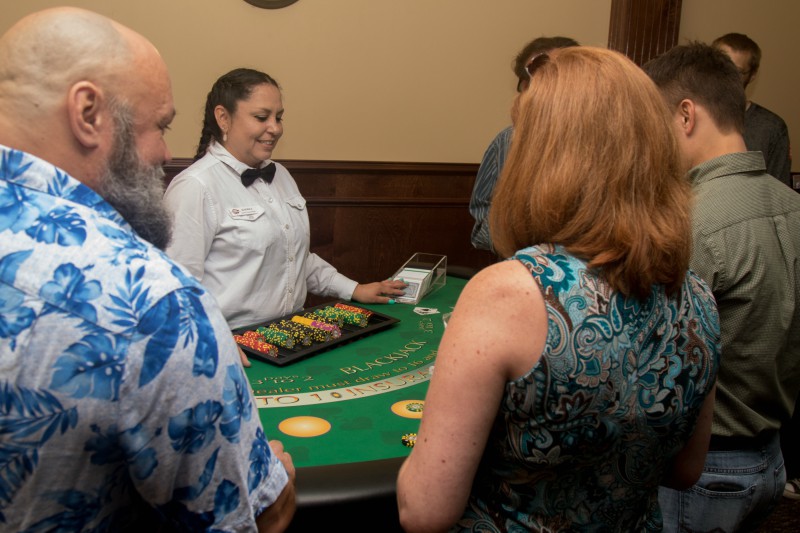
<point x="746" y="246"/>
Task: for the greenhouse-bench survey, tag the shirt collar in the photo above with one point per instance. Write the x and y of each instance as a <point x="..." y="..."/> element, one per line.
<point x="221" y="153"/>
<point x="31" y="172"/>
<point x="726" y="165"/>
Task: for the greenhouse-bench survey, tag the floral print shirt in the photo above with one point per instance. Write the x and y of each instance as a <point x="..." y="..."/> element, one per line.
<point x="581" y="442"/>
<point x="123" y="404"/>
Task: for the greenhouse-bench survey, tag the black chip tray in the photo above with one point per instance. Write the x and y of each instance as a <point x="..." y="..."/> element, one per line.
<point x="377" y="322"/>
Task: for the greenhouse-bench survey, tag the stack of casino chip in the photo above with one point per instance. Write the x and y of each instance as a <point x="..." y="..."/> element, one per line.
<point x="316" y="334"/>
<point x="366" y="312"/>
<point x="328" y="318"/>
<point x="409" y="439"/>
<point x="333" y="330"/>
<point x="254" y="341"/>
<point x="347" y="317"/>
<point x="299" y="333"/>
<point x="278" y="338"/>
<point x="252" y="335"/>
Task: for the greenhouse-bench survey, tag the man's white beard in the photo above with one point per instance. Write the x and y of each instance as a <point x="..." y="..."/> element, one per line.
<point x="135" y="189"/>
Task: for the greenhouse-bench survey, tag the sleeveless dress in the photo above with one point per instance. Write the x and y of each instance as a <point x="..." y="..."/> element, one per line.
<point x="581" y="442"/>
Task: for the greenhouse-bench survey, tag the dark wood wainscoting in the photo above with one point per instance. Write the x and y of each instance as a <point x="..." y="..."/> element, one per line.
<point x="368" y="218"/>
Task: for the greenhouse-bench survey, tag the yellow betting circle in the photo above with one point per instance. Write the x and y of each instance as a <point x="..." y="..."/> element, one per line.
<point x="409" y="408"/>
<point x="304" y="426"/>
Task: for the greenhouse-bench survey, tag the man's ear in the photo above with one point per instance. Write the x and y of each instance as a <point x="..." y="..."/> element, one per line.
<point x="687" y="116"/>
<point x="87" y="113"/>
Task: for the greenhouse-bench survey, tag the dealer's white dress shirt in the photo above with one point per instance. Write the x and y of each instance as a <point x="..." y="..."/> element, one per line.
<point x="248" y="246"/>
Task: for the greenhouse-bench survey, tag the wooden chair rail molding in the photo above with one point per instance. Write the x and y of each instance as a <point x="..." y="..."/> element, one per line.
<point x="368" y="218"/>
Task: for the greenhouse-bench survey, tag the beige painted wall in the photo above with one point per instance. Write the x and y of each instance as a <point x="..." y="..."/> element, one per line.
<point x="365" y="80"/>
<point x="405" y="80"/>
<point x="773" y="25"/>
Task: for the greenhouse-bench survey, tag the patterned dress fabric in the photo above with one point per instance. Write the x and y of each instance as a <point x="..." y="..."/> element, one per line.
<point x="582" y="441"/>
<point x="123" y="404"/>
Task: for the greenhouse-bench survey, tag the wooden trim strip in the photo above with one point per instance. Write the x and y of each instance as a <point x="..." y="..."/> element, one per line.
<point x="423" y="203"/>
<point x="177" y="165"/>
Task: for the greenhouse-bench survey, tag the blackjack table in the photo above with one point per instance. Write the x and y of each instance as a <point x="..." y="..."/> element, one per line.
<point x="348" y="414"/>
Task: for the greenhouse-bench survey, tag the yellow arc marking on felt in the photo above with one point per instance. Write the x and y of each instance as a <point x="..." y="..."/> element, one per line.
<point x="304" y="426"/>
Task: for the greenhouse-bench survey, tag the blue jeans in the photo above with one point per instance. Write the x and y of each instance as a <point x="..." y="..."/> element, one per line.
<point x="736" y="492"/>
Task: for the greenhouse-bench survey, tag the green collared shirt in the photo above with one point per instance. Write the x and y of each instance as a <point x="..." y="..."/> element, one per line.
<point x="746" y="233"/>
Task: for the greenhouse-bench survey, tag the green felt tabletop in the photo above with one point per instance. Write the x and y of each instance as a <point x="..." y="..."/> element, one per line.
<point x="369" y="390"/>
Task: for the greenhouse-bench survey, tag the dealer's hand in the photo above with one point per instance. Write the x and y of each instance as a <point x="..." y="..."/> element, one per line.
<point x="379" y="292"/>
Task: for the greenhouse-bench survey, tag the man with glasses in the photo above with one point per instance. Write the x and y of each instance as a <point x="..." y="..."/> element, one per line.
<point x="764" y="131"/>
<point x="495" y="155"/>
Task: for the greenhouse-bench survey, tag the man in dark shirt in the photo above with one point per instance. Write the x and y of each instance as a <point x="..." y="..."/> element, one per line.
<point x="764" y="130"/>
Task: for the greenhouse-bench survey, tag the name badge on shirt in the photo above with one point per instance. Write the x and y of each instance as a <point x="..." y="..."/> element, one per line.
<point x="246" y="213"/>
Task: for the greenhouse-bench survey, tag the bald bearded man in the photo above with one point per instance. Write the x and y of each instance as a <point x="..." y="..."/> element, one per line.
<point x="123" y="403"/>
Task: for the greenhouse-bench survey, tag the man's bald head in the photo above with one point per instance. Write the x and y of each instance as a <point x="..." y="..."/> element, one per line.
<point x="61" y="71"/>
<point x="45" y="53"/>
<point x="93" y="98"/>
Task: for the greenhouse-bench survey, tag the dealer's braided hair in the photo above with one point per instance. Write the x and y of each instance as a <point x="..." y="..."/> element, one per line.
<point x="228" y="91"/>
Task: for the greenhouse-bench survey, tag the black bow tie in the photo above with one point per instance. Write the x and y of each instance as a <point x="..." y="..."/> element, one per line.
<point x="252" y="174"/>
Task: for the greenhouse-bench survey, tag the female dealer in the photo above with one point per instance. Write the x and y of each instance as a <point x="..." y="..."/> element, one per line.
<point x="240" y="224"/>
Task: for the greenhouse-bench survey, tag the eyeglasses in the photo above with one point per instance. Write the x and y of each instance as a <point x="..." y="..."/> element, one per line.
<point x="535" y="63"/>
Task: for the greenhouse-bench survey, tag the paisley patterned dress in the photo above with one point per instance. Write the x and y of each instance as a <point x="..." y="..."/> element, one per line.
<point x="581" y="442"/>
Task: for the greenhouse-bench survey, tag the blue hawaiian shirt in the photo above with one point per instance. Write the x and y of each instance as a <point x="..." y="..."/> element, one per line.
<point x="123" y="404"/>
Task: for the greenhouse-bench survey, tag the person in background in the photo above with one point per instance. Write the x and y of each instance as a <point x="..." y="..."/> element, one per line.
<point x="578" y="375"/>
<point x="124" y="404"/>
<point x="790" y="447"/>
<point x="746" y="246"/>
<point x="493" y="159"/>
<point x="764" y="131"/>
<point x="241" y="224"/>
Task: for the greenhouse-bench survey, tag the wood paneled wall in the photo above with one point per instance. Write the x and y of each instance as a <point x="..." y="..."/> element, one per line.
<point x="368" y="218"/>
<point x="643" y="30"/>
